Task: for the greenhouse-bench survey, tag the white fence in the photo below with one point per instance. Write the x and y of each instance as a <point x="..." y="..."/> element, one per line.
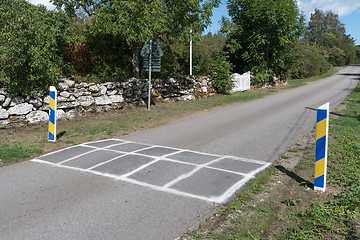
<point x="241" y="82"/>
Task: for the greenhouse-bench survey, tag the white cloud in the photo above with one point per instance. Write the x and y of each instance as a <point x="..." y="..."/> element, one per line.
<point x="341" y="7"/>
<point x="46" y="3"/>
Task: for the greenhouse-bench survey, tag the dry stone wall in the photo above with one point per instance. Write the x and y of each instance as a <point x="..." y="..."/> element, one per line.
<point x="75" y="99"/>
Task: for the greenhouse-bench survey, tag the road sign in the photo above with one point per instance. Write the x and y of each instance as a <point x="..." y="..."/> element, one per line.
<point x="156" y="54"/>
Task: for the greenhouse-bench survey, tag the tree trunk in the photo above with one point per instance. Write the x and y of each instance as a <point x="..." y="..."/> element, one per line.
<point x="135" y="61"/>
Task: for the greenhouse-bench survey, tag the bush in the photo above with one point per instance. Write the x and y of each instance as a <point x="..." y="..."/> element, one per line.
<point x="31" y="40"/>
<point x="311" y="61"/>
<point x="260" y="76"/>
<point x="221" y="73"/>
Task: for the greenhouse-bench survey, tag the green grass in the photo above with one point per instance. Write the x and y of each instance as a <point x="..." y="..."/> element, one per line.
<point x="14" y="152"/>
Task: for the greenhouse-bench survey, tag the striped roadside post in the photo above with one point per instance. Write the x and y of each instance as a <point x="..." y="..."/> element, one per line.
<point x="322" y="129"/>
<point x="52" y="114"/>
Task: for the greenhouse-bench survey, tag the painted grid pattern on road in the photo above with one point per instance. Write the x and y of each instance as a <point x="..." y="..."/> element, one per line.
<point x="204" y="176"/>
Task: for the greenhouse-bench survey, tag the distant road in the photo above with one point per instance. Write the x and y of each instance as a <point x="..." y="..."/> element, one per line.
<point x="51" y="200"/>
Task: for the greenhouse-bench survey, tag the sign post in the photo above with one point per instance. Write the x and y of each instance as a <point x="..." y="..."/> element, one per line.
<point x="52" y="114"/>
<point x="151" y="54"/>
<point x="149" y="95"/>
<point x="322" y="129"/>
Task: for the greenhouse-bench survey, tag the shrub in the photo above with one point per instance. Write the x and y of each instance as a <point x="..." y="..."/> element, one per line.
<point x="30" y="44"/>
<point x="221" y="73"/>
<point x="311" y="61"/>
<point x="260" y="76"/>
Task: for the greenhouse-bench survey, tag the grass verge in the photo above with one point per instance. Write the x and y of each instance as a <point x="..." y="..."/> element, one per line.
<point x="19" y="144"/>
<point x="280" y="202"/>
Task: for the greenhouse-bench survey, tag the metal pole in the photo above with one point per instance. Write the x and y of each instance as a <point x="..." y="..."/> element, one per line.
<point x="149" y="96"/>
<point x="190" y="52"/>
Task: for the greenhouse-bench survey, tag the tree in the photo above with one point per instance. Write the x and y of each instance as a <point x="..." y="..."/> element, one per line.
<point x="136" y="21"/>
<point x="326" y="30"/>
<point x="31" y="41"/>
<point x="263" y="33"/>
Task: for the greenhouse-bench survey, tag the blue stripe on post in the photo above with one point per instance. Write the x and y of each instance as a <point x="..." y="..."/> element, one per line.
<point x="319" y="182"/>
<point x="321" y="115"/>
<point x="52" y="94"/>
<point x="320" y="148"/>
<point x="51" y="136"/>
<point x="52" y="116"/>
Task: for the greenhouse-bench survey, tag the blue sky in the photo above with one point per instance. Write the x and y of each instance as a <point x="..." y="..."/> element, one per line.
<point x="348" y="11"/>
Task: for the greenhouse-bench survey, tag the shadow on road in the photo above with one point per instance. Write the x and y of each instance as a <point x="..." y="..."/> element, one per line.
<point x="332" y="113"/>
<point x="294" y="176"/>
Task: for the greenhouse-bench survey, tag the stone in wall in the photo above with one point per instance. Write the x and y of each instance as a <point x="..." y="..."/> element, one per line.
<point x="4" y="114"/>
<point x="36" y="102"/>
<point x="60" y="114"/>
<point x="103" y="100"/>
<point x="2" y="98"/>
<point x="6" y="102"/>
<point x="70" y="83"/>
<point x="116" y="98"/>
<point x="102" y="90"/>
<point x="85" y="101"/>
<point x="62" y="105"/>
<point x="37" y="117"/>
<point x="94" y="88"/>
<point x="20" y="109"/>
<point x="16" y="100"/>
<point x="65" y="94"/>
<point x="63" y="87"/>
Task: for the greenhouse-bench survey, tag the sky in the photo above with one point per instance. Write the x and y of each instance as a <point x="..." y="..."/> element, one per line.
<point x="348" y="11"/>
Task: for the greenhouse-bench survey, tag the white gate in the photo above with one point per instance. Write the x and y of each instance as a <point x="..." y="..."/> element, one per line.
<point x="241" y="82"/>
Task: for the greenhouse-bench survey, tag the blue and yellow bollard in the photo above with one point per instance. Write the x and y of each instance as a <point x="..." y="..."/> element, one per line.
<point x="52" y="114"/>
<point x="322" y="128"/>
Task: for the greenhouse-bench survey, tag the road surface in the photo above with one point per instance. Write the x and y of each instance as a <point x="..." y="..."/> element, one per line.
<point x="158" y="183"/>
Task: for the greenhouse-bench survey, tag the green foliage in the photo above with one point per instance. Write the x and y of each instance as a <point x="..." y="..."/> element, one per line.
<point x="290" y="201"/>
<point x="263" y="33"/>
<point x="221" y="73"/>
<point x="31" y="42"/>
<point x="131" y="23"/>
<point x="176" y="60"/>
<point x="260" y="76"/>
<point x="311" y="61"/>
<point x="325" y="30"/>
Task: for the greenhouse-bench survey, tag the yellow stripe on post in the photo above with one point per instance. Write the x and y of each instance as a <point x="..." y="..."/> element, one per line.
<point x="52" y="103"/>
<point x="321" y="129"/>
<point x="320" y="168"/>
<point x="51" y="128"/>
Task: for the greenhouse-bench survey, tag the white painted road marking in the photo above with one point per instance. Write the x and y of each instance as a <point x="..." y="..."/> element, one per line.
<point x="204" y="176"/>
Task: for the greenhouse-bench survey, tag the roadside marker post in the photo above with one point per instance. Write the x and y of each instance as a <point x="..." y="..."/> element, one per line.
<point x="322" y="129"/>
<point x="52" y="114"/>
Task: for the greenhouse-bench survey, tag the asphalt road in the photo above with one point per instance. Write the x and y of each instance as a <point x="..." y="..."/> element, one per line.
<point x="62" y="196"/>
